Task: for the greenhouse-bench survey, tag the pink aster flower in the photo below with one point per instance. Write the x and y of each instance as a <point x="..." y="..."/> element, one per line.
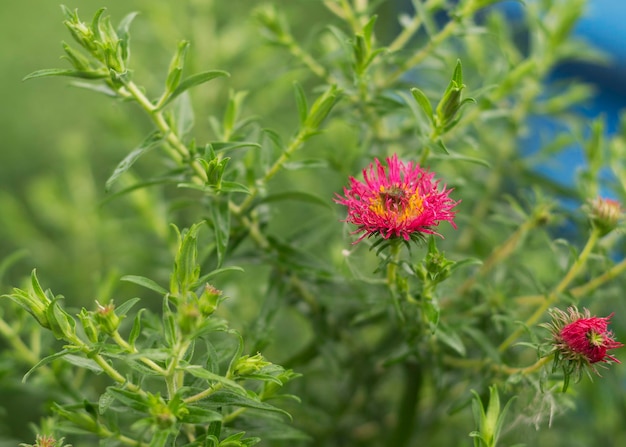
<point x="400" y="200"/>
<point x="581" y="339"/>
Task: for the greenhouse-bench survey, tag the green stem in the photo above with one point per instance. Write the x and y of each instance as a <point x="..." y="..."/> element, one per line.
<point x="273" y="170"/>
<point x="392" y="272"/>
<point x="173" y="377"/>
<point x="407" y="411"/>
<point x="526" y="370"/>
<point x="574" y="270"/>
<point x="132" y="350"/>
<point x="177" y="150"/>
<point x="22" y="351"/>
<point x="204" y="394"/>
<point x="500" y="253"/>
<point x="418" y="57"/>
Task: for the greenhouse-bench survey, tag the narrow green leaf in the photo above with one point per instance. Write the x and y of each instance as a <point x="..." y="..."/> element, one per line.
<point x="46" y="72"/>
<point x="177" y="64"/>
<point x="274" y="138"/>
<point x="457" y="76"/>
<point x="183" y="114"/>
<point x="83" y="363"/>
<point x="203" y="279"/>
<point x="125" y="307"/>
<point x="228" y="186"/>
<point x="423" y="102"/>
<point x="124" y="26"/>
<point x="223" y="398"/>
<point x="151" y="140"/>
<point x="301" y="102"/>
<point x="223" y="146"/>
<point x="193" y="81"/>
<point x="368" y="30"/>
<point x="144" y="282"/>
<point x="129" y="398"/>
<point x="45" y="361"/>
<point x="451" y="339"/>
<point x="98" y="88"/>
<point x="159" y="439"/>
<point x="136" y="329"/>
<point x="431" y="311"/>
<point x="220" y="220"/>
<point x="202" y="373"/>
<point x="198" y="415"/>
<point x="95" y="24"/>
<point x="124" y="36"/>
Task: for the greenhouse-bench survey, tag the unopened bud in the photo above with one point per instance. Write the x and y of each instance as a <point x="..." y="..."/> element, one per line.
<point x="106" y="318"/>
<point x="605" y="214"/>
<point x="246" y="365"/>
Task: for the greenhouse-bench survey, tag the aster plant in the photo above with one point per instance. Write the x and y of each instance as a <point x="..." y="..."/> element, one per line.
<point x="336" y="234"/>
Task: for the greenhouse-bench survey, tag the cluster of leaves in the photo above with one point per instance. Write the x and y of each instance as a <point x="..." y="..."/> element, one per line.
<point x="441" y="321"/>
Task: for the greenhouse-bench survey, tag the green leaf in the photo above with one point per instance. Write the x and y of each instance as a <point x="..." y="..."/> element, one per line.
<point x="46" y="360"/>
<point x="193" y="81"/>
<point x="431" y="311"/>
<point x="228" y="187"/>
<point x="368" y="29"/>
<point x="124" y="308"/>
<point x="148" y="143"/>
<point x="224" y="397"/>
<point x="220" y="220"/>
<point x="457" y="76"/>
<point x="301" y="102"/>
<point x="159" y="439"/>
<point x="47" y="72"/>
<point x="98" y="88"/>
<point x="202" y="373"/>
<point x="124" y="36"/>
<point x="451" y="339"/>
<point x="62" y="324"/>
<point x="83" y="363"/>
<point x="136" y="329"/>
<point x="144" y="282"/>
<point x="424" y="103"/>
<point x="274" y="138"/>
<point x="177" y="64"/>
<point x="229" y="146"/>
<point x="216" y="272"/>
<point x="129" y="398"/>
<point x="199" y="415"/>
<point x="95" y="24"/>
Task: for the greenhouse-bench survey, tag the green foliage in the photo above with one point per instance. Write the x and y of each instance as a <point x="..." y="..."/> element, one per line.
<point x="214" y="298"/>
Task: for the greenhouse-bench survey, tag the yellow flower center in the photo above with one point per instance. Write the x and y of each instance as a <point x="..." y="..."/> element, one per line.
<point x="393" y="202"/>
<point x="595" y="339"/>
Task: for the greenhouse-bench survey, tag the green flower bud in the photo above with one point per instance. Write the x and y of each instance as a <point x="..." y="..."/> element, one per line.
<point x="209" y="300"/>
<point x="106" y="318"/>
<point x="605" y="214"/>
<point x="246" y="365"/>
<point x="89" y="326"/>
